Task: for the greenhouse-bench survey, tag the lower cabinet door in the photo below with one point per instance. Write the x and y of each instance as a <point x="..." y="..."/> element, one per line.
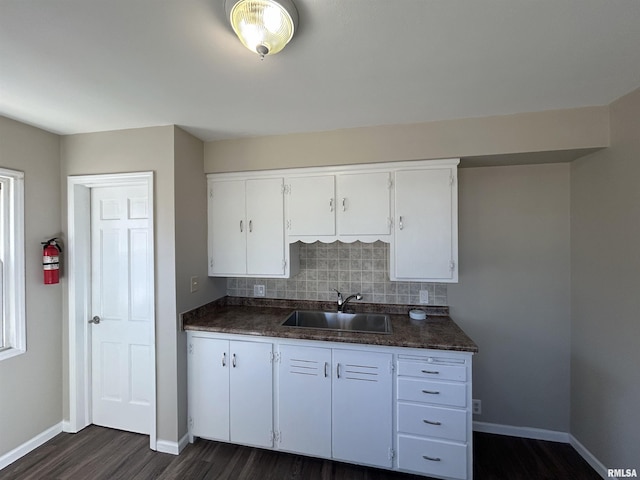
<point x="362" y="417"/>
<point x="251" y="393"/>
<point x="431" y="457"/>
<point x="304" y="400"/>
<point x="209" y="387"/>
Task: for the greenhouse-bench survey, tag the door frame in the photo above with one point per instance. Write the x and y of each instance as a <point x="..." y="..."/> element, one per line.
<point x="78" y="275"/>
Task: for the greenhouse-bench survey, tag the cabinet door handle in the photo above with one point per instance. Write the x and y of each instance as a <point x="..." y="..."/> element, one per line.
<point x="400" y="225"/>
<point x="431" y="372"/>
<point x="432" y="459"/>
<point x="224" y="359"/>
<point x="344" y="204"/>
<point x="326" y="368"/>
<point x="250" y="226"/>
<point x="431" y="392"/>
<point x="432" y="423"/>
<point x="338" y="370"/>
<point x="331" y="204"/>
<point x="233" y="360"/>
<point x="241" y="226"/>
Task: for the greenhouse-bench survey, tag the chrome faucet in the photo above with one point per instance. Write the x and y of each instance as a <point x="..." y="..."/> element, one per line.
<point x="343" y="302"/>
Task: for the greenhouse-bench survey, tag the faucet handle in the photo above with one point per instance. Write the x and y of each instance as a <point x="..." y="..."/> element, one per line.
<point x="340" y="300"/>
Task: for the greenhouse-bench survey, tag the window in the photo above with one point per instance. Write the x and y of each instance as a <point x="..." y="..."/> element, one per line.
<point x="12" y="299"/>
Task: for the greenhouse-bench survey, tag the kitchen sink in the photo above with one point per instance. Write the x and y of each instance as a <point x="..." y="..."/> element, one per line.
<point x="350" y="322"/>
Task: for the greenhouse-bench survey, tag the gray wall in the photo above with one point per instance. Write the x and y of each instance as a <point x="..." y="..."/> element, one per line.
<point x="513" y="294"/>
<point x="31" y="384"/>
<point x="191" y="249"/>
<point x="549" y="131"/>
<point x="605" y="346"/>
<point x="132" y="151"/>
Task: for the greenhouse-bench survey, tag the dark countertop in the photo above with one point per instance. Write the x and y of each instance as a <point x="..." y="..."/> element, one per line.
<point x="263" y="317"/>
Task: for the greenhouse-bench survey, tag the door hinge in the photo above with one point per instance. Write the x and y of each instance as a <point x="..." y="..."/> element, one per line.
<point x="452" y="265"/>
<point x="211" y="193"/>
<point x="390" y="183"/>
<point x="274" y="357"/>
<point x="390" y="222"/>
<point x="284" y="265"/>
<point x="451" y="180"/>
<point x="288" y="224"/>
<point x="286" y="189"/>
<point x="190" y="422"/>
<point x="392" y="367"/>
<point x="392" y="453"/>
<point x="191" y="349"/>
<point x="275" y="437"/>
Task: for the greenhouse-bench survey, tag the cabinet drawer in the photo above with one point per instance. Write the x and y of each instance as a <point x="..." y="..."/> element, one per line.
<point x="457" y="373"/>
<point x="440" y="393"/>
<point x="431" y="457"/>
<point x="432" y="421"/>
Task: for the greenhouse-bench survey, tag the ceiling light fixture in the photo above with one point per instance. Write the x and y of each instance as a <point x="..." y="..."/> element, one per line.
<point x="263" y="26"/>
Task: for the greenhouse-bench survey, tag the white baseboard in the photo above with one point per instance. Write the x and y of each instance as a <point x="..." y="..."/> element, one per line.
<point x="589" y="457"/>
<point x="29" y="445"/>
<point x="524" y="432"/>
<point x="174" y="448"/>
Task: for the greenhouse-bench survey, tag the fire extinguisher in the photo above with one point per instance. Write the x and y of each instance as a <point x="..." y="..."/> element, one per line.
<point x="51" y="261"/>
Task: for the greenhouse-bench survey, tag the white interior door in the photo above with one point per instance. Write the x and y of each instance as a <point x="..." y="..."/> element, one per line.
<point x="122" y="303"/>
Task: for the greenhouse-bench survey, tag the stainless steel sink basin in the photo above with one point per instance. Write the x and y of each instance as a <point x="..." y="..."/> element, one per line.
<point x="351" y="322"/>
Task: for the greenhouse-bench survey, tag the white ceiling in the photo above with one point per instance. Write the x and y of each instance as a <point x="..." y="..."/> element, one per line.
<point x="72" y="66"/>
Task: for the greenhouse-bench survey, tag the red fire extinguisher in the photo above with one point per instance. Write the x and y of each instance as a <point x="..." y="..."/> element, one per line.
<point x="51" y="261"/>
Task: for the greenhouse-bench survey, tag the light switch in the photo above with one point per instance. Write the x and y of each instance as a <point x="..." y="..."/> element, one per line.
<point x="195" y="284"/>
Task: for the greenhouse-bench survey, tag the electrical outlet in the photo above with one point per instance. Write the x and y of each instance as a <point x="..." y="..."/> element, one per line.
<point x="476" y="407"/>
<point x="424" y="296"/>
<point x="195" y="284"/>
<point x="258" y="291"/>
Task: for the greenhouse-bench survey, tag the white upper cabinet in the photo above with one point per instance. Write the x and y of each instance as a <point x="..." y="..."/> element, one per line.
<point x="227" y="228"/>
<point x="246" y="227"/>
<point x="311" y="205"/>
<point x="363" y="203"/>
<point x="346" y="206"/>
<point x="257" y="219"/>
<point x="425" y="245"/>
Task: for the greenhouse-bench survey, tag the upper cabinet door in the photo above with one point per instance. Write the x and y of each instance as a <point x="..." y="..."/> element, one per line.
<point x="265" y="226"/>
<point x="312" y="205"/>
<point x="227" y="228"/>
<point x="425" y="227"/>
<point x="364" y="204"/>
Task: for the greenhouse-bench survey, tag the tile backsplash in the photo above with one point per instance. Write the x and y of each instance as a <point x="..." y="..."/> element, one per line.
<point x="348" y="267"/>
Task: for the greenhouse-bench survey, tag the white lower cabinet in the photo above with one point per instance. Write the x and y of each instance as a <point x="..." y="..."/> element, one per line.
<point x="304" y="400"/>
<point x="335" y="401"/>
<point x="231" y="390"/>
<point x="362" y="419"/>
<point x="433" y="408"/>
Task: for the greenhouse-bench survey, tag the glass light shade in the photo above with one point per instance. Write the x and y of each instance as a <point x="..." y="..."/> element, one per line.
<point x="263" y="26"/>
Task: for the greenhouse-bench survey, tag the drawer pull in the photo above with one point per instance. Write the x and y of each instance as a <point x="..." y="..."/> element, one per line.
<point x="431" y="392"/>
<point x="432" y="459"/>
<point x="432" y="423"/>
<point x="431" y="372"/>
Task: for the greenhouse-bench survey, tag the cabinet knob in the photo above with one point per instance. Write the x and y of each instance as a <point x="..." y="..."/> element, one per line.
<point x="233" y="360"/>
<point x="224" y="359"/>
<point x="241" y="226"/>
<point x="344" y="204"/>
<point x="331" y="204"/>
<point x="400" y="225"/>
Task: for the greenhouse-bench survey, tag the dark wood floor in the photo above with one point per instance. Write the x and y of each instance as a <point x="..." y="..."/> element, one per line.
<point x="99" y="453"/>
